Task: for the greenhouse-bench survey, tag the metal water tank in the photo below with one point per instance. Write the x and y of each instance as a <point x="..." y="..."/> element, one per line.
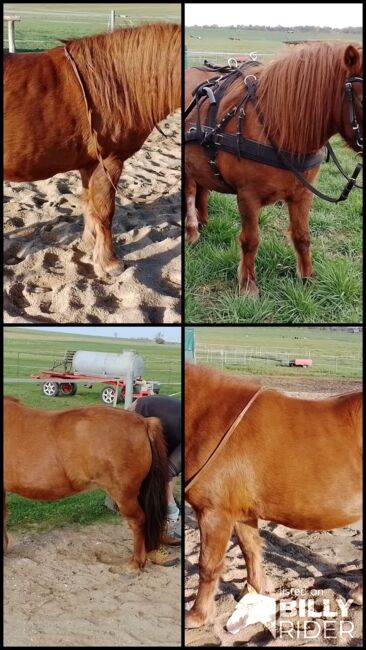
<point x="107" y="364"/>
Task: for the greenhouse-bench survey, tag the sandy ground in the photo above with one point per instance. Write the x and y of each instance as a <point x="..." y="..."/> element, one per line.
<point x="329" y="562"/>
<point x="68" y="588"/>
<point x="48" y="276"/>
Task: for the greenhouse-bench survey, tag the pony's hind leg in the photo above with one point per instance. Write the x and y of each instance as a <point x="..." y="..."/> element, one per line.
<point x="100" y="195"/>
<point x="299" y="231"/>
<point x="190" y="189"/>
<point x="215" y="528"/>
<point x="130" y="508"/>
<point x="249" y="242"/>
<point x="202" y="205"/>
<point x="250" y="544"/>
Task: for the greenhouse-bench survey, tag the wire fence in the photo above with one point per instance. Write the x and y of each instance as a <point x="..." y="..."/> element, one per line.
<point x="40" y="30"/>
<point x="194" y="57"/>
<point x="256" y="360"/>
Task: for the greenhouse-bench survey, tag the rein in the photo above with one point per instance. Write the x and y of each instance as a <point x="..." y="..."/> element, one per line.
<point x="90" y="118"/>
<point x="251" y="85"/>
<point x="223" y="441"/>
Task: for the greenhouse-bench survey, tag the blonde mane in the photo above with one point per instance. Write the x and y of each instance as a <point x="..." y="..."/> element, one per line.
<point x="131" y="76"/>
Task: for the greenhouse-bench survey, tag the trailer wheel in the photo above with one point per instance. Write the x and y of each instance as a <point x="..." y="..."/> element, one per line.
<point x="68" y="388"/>
<point x="108" y="394"/>
<point x="50" y="388"/>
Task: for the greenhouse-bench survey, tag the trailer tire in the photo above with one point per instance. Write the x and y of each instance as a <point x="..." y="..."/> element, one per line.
<point x="68" y="388"/>
<point x="108" y="394"/>
<point x="50" y="388"/>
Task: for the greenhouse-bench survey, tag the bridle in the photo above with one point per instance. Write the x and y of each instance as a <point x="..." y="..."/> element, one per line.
<point x="352" y="110"/>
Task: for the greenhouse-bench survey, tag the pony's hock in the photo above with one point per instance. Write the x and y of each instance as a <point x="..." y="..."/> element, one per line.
<point x="107" y="106"/>
<point x="261" y="132"/>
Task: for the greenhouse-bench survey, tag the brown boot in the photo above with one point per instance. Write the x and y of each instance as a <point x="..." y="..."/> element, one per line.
<point x="170" y="539"/>
<point x="162" y="556"/>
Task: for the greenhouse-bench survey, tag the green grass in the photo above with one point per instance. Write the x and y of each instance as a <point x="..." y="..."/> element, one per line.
<point x="334" y="295"/>
<point x="335" y="354"/>
<point x="42" y="31"/>
<point x="217" y="40"/>
<point x="28" y="351"/>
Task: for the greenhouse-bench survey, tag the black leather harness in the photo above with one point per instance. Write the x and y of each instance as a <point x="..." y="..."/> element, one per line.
<point x="214" y="139"/>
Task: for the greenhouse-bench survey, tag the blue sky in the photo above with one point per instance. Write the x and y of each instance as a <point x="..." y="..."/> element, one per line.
<point x="171" y="334"/>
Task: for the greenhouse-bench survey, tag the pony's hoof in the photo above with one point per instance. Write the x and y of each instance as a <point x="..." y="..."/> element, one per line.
<point x="195" y="619"/>
<point x="249" y="289"/>
<point x="192" y="235"/>
<point x="356" y="594"/>
<point x="133" y="566"/>
<point x="115" y="268"/>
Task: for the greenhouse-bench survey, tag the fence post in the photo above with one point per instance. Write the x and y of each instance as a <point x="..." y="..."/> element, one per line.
<point x="113" y="18"/>
<point x="11" y="35"/>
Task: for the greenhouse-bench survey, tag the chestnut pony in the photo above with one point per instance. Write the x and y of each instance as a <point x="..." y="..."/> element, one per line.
<point x="89" y="106"/>
<point x="301" y="96"/>
<point x="55" y="454"/>
<point x="296" y="462"/>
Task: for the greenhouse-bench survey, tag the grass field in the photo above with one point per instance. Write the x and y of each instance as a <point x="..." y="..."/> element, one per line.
<point x="265" y="43"/>
<point x="42" y="25"/>
<point x="28" y="351"/>
<point x="336" y="234"/>
<point x="335" y="354"/>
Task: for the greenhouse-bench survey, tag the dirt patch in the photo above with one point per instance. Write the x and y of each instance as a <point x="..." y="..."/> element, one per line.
<point x="69" y="587"/>
<point x="49" y="278"/>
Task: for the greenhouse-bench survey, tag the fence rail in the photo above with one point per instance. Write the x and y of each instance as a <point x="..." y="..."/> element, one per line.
<point x="262" y="359"/>
<point x="194" y="57"/>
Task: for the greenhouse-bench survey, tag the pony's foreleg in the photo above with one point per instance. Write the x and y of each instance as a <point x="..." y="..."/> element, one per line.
<point x="249" y="242"/>
<point x="130" y="508"/>
<point x="299" y="231"/>
<point x="88" y="237"/>
<point x="250" y="544"/>
<point x="202" y="205"/>
<point x="6" y="541"/>
<point x="98" y="224"/>
<point x="357" y="594"/>
<point x="190" y="189"/>
<point x="215" y="529"/>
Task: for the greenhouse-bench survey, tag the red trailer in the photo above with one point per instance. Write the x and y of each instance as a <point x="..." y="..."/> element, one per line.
<point x="300" y="363"/>
<point x="63" y="383"/>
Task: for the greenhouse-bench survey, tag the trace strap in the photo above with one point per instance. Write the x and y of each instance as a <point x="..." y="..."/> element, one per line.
<point x="223" y="440"/>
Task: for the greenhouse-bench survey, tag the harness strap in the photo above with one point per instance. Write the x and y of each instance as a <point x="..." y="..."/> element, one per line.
<point x="223" y="440"/>
<point x="289" y="166"/>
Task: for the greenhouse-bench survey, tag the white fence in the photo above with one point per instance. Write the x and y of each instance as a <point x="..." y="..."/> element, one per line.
<point x="194" y="57"/>
<point x="40" y="29"/>
<point x="263" y="359"/>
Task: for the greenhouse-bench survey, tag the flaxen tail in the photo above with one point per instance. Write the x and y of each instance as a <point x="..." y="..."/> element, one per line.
<point x="153" y="499"/>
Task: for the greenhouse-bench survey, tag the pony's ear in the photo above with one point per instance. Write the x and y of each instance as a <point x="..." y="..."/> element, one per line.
<point x="352" y="59"/>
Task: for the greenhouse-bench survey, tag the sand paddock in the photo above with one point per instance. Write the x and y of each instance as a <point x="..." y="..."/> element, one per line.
<point x="48" y="276"/>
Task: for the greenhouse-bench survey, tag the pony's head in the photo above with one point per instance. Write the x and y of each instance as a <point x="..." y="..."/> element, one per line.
<point x="351" y="110"/>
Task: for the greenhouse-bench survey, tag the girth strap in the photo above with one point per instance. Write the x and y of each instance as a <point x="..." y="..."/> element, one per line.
<point x="252" y="150"/>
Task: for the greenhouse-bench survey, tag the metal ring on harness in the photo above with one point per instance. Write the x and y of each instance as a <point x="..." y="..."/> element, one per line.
<point x="232" y="63"/>
<point x="252" y="76"/>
